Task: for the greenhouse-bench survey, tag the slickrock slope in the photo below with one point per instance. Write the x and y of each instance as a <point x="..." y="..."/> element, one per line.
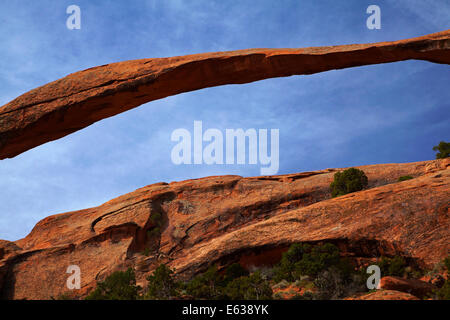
<point x="415" y="287"/>
<point x="78" y="100"/>
<point x="229" y="218"/>
<point x="386" y="295"/>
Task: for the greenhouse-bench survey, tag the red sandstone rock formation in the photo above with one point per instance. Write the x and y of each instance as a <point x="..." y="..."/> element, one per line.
<point x="82" y="98"/>
<point x="229" y="218"/>
<point x="415" y="287"/>
<point x="385" y="295"/>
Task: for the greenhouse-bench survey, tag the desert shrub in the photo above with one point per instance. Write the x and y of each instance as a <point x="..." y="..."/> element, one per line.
<point x="285" y="269"/>
<point x="64" y="296"/>
<point x="305" y="282"/>
<point x="146" y="252"/>
<point x="444" y="150"/>
<point x="306" y="296"/>
<point x="334" y="283"/>
<point x="319" y="258"/>
<point x="281" y="285"/>
<point x="414" y="273"/>
<point x="234" y="271"/>
<point x="392" y="266"/>
<point x="348" y="181"/>
<point x="304" y="259"/>
<point x="208" y="285"/>
<point x="447" y="263"/>
<point x="444" y="292"/>
<point x="404" y="178"/>
<point x="120" y="285"/>
<point x="157" y="221"/>
<point x="252" y="287"/>
<point x="153" y="232"/>
<point x="267" y="272"/>
<point x="156" y="218"/>
<point x="235" y="284"/>
<point x="161" y="284"/>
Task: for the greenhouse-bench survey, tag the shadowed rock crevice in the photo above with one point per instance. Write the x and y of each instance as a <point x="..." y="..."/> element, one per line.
<point x="357" y="250"/>
<point x="149" y="237"/>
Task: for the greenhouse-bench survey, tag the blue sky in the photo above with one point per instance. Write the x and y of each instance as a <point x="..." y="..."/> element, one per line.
<point x="374" y="114"/>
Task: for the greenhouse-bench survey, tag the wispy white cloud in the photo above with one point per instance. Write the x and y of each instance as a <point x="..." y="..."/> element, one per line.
<point x="429" y="13"/>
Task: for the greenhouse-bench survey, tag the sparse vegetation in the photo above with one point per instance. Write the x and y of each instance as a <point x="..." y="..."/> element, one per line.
<point x="306" y="296"/>
<point x="236" y="283"/>
<point x="252" y="287"/>
<point x="347" y="181"/>
<point x="392" y="266"/>
<point x="317" y="259"/>
<point x="146" y="252"/>
<point x="161" y="284"/>
<point x="64" y="296"/>
<point x="320" y="269"/>
<point x="157" y="221"/>
<point x="305" y="272"/>
<point x="443" y="293"/>
<point x="335" y="283"/>
<point x="447" y="263"/>
<point x="153" y="232"/>
<point x="234" y="271"/>
<point x="120" y="285"/>
<point x="404" y="178"/>
<point x="304" y="259"/>
<point x="208" y="285"/>
<point x="443" y="149"/>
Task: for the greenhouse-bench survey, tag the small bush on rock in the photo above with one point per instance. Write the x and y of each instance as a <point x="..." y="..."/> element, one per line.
<point x="334" y="283"/>
<point x="447" y="263"/>
<point x="120" y="285"/>
<point x="347" y="181"/>
<point x="444" y="292"/>
<point x="444" y="150"/>
<point x="392" y="266"/>
<point x="208" y="285"/>
<point x="306" y="260"/>
<point x="162" y="285"/>
<point x="234" y="271"/>
<point x="404" y="178"/>
<point x="252" y="287"/>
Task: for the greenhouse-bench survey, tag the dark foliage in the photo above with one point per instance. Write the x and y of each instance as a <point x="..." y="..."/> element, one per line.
<point x="161" y="284"/>
<point x="253" y="287"/>
<point x="347" y="181"/>
<point x="444" y="150"/>
<point x="208" y="285"/>
<point x="120" y="285"/>
<point x="392" y="266"/>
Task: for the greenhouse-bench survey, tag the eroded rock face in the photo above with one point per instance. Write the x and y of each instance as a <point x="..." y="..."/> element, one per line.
<point x="386" y="295"/>
<point x="192" y="224"/>
<point x="78" y="100"/>
<point x="415" y="287"/>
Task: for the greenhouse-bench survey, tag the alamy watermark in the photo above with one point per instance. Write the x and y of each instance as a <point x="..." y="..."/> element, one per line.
<point x="74" y="280"/>
<point x="190" y="149"/>
<point x="373" y="281"/>
<point x="74" y="20"/>
<point x="374" y="20"/>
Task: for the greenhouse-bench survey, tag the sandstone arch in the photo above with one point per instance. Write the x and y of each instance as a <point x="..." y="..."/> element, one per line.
<point x="80" y="99"/>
